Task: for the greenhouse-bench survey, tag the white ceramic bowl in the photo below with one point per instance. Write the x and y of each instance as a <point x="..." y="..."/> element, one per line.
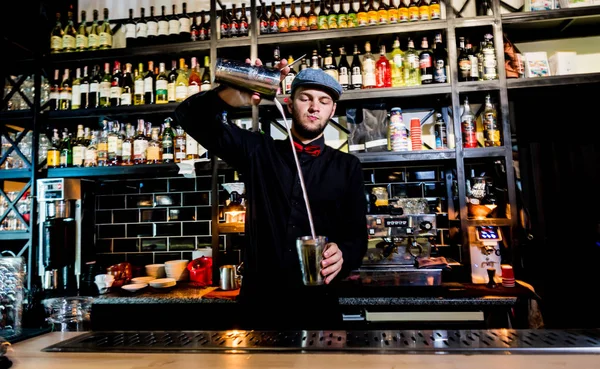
<point x="163" y="283"/>
<point x="156" y="270"/>
<point x="142" y="279"/>
<point x="134" y="286"/>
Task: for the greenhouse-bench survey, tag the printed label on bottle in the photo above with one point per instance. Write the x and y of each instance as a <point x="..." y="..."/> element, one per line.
<point x="205" y="87"/>
<point x="356" y="77"/>
<point x="373" y="18"/>
<point x="105" y="39"/>
<point x="65" y="95"/>
<point x="93" y="40"/>
<point x="56" y="43"/>
<point x="434" y="11"/>
<point x="383" y="16"/>
<point x="332" y="21"/>
<point x="413" y="14"/>
<point x="181" y="92"/>
<point x="356" y="147"/>
<point x="343" y="76"/>
<point x="78" y="156"/>
<point x="91" y="158"/>
<point x="440" y="72"/>
<point x="342" y="21"/>
<point x="115" y="92"/>
<point x="313" y="21"/>
<point x="141" y="30"/>
<point x="352" y="20"/>
<point x="424" y="13"/>
<point x="68" y="42"/>
<point x="403" y="15"/>
<point x="112" y="147"/>
<point x="83" y="88"/>
<point x="363" y="19"/>
<point x="152" y="29"/>
<point x="244" y="28"/>
<point x="153" y="153"/>
<point x="184" y="25"/>
<point x="171" y="95"/>
<point x="139" y="149"/>
<point x="126" y="99"/>
<point x="369" y="71"/>
<point x="393" y="16"/>
<point x="81" y="42"/>
<point x="163" y="28"/>
<point x="174" y="27"/>
<point x="95" y="87"/>
<point x="138" y="87"/>
<point x="148" y="82"/>
<point x="161" y="85"/>
<point x="273" y="27"/>
<point x="126" y="151"/>
<point x="322" y="22"/>
<point x="130" y="30"/>
<point x="193" y="89"/>
<point x="53" y="158"/>
<point x="76" y="96"/>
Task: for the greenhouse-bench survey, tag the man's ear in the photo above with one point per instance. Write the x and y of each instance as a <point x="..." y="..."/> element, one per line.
<point x="333" y="110"/>
<point x="289" y="105"/>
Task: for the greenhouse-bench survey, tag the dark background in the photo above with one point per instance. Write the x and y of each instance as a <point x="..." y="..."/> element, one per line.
<point x="557" y="134"/>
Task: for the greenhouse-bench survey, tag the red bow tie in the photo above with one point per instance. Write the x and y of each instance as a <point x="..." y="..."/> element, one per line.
<point x="313" y="150"/>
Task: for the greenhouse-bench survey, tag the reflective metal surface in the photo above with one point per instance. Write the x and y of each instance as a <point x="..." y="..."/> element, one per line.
<point x="501" y="341"/>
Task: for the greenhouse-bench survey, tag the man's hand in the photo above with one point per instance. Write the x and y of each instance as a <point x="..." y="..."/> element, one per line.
<point x="332" y="262"/>
<point x="238" y="98"/>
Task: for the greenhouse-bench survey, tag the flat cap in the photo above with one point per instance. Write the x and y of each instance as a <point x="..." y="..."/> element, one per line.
<point x="317" y="78"/>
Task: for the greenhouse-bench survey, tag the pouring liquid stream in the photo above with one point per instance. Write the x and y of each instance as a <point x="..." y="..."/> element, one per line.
<point x="302" y="185"/>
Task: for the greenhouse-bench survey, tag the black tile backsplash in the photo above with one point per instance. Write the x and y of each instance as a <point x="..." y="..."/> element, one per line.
<point x="203" y="183"/>
<point x="154" y="244"/>
<point x="168" y="229"/>
<point x="182" y="185"/>
<point x="125" y="245"/>
<point x="103" y="216"/>
<point x="196" y="198"/>
<point x="103" y="246"/>
<point x="196" y="228"/>
<point x="153" y="215"/>
<point x="126" y="216"/>
<point x="154" y="185"/>
<point x="204" y="212"/>
<point x="111" y="202"/>
<point x="183" y="243"/>
<point x="140" y="201"/>
<point x="140" y="230"/>
<point x="166" y="256"/>
<point x="182" y="214"/>
<point x="111" y="231"/>
<point x="140" y="259"/>
<point x="173" y="199"/>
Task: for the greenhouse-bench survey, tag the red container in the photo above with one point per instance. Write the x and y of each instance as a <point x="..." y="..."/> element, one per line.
<point x="201" y="271"/>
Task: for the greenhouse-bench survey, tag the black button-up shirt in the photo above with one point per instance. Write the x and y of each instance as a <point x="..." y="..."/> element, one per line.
<point x="276" y="213"/>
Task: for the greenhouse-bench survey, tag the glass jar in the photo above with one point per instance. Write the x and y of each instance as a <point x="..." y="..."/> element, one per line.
<point x="381" y="196"/>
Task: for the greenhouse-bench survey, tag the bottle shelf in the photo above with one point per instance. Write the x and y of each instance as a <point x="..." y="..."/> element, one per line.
<point x="484" y="152"/>
<point x="487" y="20"/>
<point x="10" y="116"/>
<point x="15" y="173"/>
<point x="573" y="79"/>
<point x="170" y="169"/>
<point x="113" y="111"/>
<point x="306" y="36"/>
<point x="389" y="156"/>
<point x="551" y="15"/>
<point x="478" y="86"/>
<point x="14" y="235"/>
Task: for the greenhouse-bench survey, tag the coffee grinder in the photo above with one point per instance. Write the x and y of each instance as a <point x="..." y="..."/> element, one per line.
<point x="60" y="215"/>
<point x="485" y="253"/>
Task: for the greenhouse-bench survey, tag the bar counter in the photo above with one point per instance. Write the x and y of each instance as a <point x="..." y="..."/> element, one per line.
<point x="28" y="354"/>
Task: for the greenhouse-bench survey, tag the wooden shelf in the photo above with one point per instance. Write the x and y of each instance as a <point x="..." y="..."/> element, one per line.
<point x="227" y="228"/>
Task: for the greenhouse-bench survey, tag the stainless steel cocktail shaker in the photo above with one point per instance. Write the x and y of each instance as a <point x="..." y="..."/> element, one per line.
<point x="263" y="80"/>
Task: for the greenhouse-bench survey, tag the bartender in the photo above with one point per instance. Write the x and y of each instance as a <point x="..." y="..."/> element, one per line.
<point x="272" y="295"/>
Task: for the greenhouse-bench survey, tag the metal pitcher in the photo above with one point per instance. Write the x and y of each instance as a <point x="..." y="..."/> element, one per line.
<point x="229" y="277"/>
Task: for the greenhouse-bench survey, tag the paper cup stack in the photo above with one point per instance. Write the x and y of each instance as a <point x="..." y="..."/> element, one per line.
<point x="415" y="134"/>
<point x="508" y="276"/>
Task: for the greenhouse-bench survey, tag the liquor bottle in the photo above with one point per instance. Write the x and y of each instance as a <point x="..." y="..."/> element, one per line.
<point x="474" y="62"/>
<point x="127" y="147"/>
<point x="130" y="26"/>
<point x="383" y="13"/>
<point x="154" y="153"/>
<point x="95" y="80"/>
<point x="397" y="65"/>
<point x="66" y="91"/>
<point x="163" y="26"/>
<point x="84" y="89"/>
<point x="244" y="30"/>
<point x="140" y="144"/>
<point x="362" y="15"/>
<point x="435" y="11"/>
<point x="373" y="17"/>
<point x="412" y="75"/>
<point x="182" y="82"/>
<point x="91" y="152"/>
<point x="276" y="56"/>
<point x="322" y="20"/>
<point x="116" y="85"/>
<point x="479" y="56"/>
<point x="224" y="27"/>
<point x="105" y="33"/>
<point x="426" y="63"/>
<point x="439" y="129"/>
<point x="315" y="60"/>
<point x="76" y="90"/>
<point x="413" y="11"/>
<point x="152" y="25"/>
<point x="468" y="126"/>
<point x="293" y="18"/>
<point x="180" y="145"/>
<point x="184" y="23"/>
<point x="194" y="28"/>
<point x="113" y="150"/>
<point x="273" y="20"/>
<point x="56" y="36"/>
<point x="368" y="67"/>
<point x="174" y="24"/>
<point x="94" y="35"/>
<point x="54" y="95"/>
<point x="313" y="17"/>
<point x="490" y="66"/>
<point x="78" y="157"/>
<point x="234" y="22"/>
<point x="423" y="10"/>
<point x="402" y="12"/>
<point x="392" y="13"/>
<point x="105" y="87"/>
<point x="352" y="17"/>
<point x="303" y="18"/>
<point x="491" y="131"/>
<point x="464" y="64"/>
<point x="206" y="78"/>
<point x="356" y="80"/>
<point x="264" y="19"/>
<point x="168" y="142"/>
<point x="53" y="156"/>
<point x="66" y="150"/>
<point x="127" y="87"/>
<point x="141" y="29"/>
<point x="344" y="70"/>
<point x="69" y="34"/>
<point x="194" y="80"/>
<point x="150" y="85"/>
<point x="383" y="75"/>
<point x="172" y="78"/>
<point x="82" y="37"/>
<point x="333" y="16"/>
<point x="289" y="78"/>
<point x="440" y="60"/>
<point x="161" y="85"/>
<point x="283" y="24"/>
<point x="102" y="148"/>
<point x="138" y="85"/>
<point x="191" y="147"/>
<point x="329" y="64"/>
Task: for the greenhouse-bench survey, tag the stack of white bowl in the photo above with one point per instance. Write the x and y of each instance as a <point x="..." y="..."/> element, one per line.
<point x="156" y="270"/>
<point x="104" y="282"/>
<point x="177" y="269"/>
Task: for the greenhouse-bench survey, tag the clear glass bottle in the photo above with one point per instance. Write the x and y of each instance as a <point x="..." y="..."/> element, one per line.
<point x="69" y="34"/>
<point x="105" y="34"/>
<point x="102" y="148"/>
<point x="82" y="37"/>
<point x="79" y="147"/>
<point x="168" y="142"/>
<point x="91" y="151"/>
<point x="76" y="90"/>
<point x="182" y="82"/>
<point x="383" y="75"/>
<point x="180" y="144"/>
<point x="105" y="85"/>
<point x="154" y="149"/>
<point x="491" y="129"/>
<point x="127" y="87"/>
<point x="468" y="126"/>
<point x="113" y="144"/>
<point x="162" y="81"/>
<point x="490" y="65"/>
<point x="56" y="36"/>
<point x="368" y="67"/>
<point x="127" y="147"/>
<point x="140" y="144"/>
<point x="397" y="64"/>
<point x="194" y="80"/>
<point x="66" y="91"/>
<point x="412" y="75"/>
<point x="94" y="35"/>
<point x="138" y="85"/>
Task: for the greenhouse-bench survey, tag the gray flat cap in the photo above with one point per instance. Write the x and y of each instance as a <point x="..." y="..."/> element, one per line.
<point x="317" y="78"/>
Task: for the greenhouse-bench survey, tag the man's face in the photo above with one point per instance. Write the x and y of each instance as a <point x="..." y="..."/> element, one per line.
<point x="311" y="110"/>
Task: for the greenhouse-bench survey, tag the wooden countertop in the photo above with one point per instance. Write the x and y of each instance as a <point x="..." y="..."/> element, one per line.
<point x="28" y="355"/>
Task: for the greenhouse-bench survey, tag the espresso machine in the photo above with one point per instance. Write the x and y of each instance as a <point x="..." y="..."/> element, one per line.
<point x="484" y="249"/>
<point x="60" y="232"/>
